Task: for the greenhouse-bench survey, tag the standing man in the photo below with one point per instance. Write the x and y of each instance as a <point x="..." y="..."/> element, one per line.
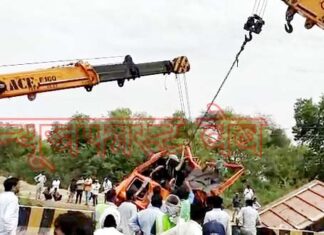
<point x="87" y="189"/>
<point x="9" y="207"/>
<point x="107" y="186"/>
<point x="236" y="202"/>
<point x="79" y="190"/>
<point x="192" y="226"/>
<point x="40" y="180"/>
<point x="248" y="193"/>
<point x="56" y="184"/>
<point x="248" y="218"/>
<point x="127" y="211"/>
<point x="95" y="192"/>
<point x="220" y="168"/>
<point x="218" y="215"/>
<point x="144" y="220"/>
<point x="72" y="190"/>
<point x="171" y="217"/>
<point x="105" y="208"/>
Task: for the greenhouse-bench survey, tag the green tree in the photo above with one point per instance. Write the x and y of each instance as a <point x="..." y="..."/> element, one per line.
<point x="309" y="131"/>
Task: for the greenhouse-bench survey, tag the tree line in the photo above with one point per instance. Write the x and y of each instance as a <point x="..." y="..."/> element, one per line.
<point x="114" y="145"/>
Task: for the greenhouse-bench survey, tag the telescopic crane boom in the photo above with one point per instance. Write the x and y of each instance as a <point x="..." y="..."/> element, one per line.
<point x="82" y="74"/>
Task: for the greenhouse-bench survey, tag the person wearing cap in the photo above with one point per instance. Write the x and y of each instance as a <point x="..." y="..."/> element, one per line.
<point x="170" y="218"/>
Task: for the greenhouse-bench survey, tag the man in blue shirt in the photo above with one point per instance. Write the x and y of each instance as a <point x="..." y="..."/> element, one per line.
<point x="144" y="220"/>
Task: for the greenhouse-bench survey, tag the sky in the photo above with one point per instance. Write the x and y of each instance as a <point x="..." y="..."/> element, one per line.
<point x="275" y="69"/>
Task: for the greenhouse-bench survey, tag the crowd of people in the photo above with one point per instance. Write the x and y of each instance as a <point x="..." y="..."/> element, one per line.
<point x="87" y="186"/>
<point x="180" y="213"/>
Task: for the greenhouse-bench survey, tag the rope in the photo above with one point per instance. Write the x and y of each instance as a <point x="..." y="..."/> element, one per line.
<point x="187" y="95"/>
<point x="56" y="61"/>
<point x="219" y="89"/>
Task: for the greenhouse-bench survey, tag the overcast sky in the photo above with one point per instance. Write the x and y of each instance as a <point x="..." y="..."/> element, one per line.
<point x="275" y="69"/>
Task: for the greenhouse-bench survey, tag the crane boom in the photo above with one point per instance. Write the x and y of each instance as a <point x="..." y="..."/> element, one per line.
<point x="82" y="74"/>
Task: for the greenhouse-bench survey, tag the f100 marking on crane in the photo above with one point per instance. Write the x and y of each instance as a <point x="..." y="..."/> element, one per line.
<point x="29" y="82"/>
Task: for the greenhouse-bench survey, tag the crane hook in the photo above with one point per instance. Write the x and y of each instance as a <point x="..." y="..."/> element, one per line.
<point x="288" y="27"/>
<point x="247" y="39"/>
<point x="289" y="17"/>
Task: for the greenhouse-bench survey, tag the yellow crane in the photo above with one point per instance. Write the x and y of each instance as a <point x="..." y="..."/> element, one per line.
<point x="82" y="74"/>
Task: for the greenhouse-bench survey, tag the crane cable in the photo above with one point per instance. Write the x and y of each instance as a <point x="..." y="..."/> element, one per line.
<point x="60" y="61"/>
<point x="263" y="8"/>
<point x="182" y="106"/>
<point x="259" y="8"/>
<point x="187" y="95"/>
<point x="254" y="27"/>
<point x="181" y="96"/>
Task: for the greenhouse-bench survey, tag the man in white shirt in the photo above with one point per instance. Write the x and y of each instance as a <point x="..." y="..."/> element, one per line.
<point x="9" y="207"/>
<point x="248" y="193"/>
<point x="40" y="180"/>
<point x="95" y="192"/>
<point x="248" y="218"/>
<point x="106" y="185"/>
<point x="219" y="215"/>
<point x="56" y="184"/>
<point x="127" y="211"/>
<point x="144" y="220"/>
